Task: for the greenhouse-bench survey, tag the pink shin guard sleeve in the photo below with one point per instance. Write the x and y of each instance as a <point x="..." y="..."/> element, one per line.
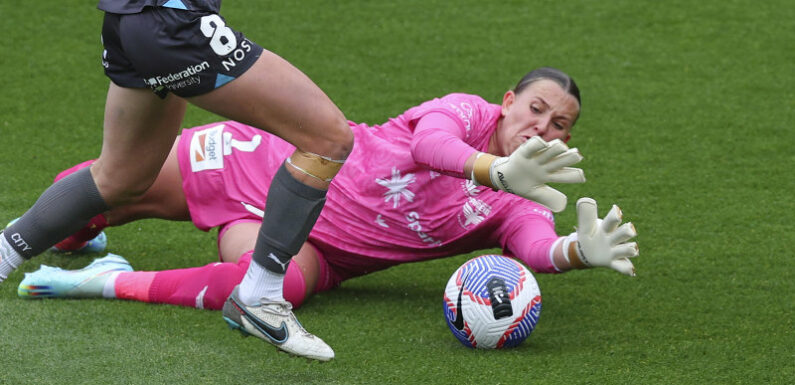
<point x="205" y="287"/>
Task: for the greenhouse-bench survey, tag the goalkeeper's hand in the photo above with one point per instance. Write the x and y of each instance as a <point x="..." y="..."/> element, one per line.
<point x="601" y="242"/>
<point x="527" y="170"/>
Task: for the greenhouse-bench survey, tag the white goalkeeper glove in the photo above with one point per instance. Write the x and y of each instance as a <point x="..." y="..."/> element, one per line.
<point x="601" y="242"/>
<point x="527" y="170"/>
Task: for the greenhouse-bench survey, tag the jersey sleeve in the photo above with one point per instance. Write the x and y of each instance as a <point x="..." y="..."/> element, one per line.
<point x="447" y="131"/>
<point x="438" y="144"/>
<point x="528" y="234"/>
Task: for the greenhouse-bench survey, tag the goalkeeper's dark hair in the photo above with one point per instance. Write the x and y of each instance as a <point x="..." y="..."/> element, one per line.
<point x="564" y="81"/>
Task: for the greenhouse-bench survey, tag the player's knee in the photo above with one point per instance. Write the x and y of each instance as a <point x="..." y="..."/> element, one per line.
<point x="343" y="139"/>
<point x="318" y="162"/>
<point x="335" y="141"/>
<point x="339" y="143"/>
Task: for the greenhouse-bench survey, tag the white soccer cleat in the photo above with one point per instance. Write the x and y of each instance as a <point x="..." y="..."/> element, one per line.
<point x="275" y="323"/>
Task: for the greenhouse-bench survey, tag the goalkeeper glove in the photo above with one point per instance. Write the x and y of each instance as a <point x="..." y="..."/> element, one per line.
<point x="601" y="242"/>
<point x="527" y="170"/>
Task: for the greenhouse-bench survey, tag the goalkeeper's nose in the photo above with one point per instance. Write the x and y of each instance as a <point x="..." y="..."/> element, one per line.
<point x="542" y="127"/>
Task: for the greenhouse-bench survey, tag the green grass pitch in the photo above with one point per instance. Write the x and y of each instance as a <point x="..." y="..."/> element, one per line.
<point x="687" y="124"/>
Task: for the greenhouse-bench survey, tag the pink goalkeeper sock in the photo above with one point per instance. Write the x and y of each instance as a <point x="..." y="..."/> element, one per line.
<point x="134" y="285"/>
<point x="205" y="287"/>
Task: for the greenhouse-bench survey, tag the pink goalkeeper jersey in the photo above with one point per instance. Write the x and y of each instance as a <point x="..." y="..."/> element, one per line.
<point x="386" y="206"/>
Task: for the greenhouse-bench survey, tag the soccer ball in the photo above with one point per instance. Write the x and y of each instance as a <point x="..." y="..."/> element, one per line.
<point x="492" y="302"/>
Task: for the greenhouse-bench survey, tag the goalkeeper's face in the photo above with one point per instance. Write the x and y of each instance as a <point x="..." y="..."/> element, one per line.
<point x="542" y="109"/>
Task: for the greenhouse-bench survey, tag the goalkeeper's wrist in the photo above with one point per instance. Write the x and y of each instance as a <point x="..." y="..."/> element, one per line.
<point x="573" y="253"/>
<point x="481" y="169"/>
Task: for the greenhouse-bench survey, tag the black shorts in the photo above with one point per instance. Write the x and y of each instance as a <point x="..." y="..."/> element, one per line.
<point x="185" y="52"/>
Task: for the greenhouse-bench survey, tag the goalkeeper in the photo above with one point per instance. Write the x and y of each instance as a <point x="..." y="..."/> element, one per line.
<point x="450" y="176"/>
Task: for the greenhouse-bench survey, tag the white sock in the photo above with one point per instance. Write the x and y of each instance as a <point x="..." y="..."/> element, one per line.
<point x="109" y="289"/>
<point x="261" y="284"/>
<point x="9" y="258"/>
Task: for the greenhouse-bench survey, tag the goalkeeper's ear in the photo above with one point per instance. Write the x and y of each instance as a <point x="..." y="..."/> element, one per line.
<point x="507" y="101"/>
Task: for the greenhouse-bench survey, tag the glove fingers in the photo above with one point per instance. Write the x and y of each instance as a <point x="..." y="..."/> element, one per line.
<point x="612" y="219"/>
<point x="566" y="158"/>
<point x="554" y="149"/>
<point x="549" y="197"/>
<point x="624" y="233"/>
<point x="625" y="250"/>
<point x="567" y="175"/>
<point x="586" y="216"/>
<point x="623" y="266"/>
<point x="531" y="147"/>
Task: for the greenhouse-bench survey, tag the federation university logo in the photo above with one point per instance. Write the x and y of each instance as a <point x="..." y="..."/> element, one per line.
<point x="206" y="149"/>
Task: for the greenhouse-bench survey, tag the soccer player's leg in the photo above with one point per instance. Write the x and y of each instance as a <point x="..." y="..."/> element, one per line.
<point x="275" y="96"/>
<point x="61" y="210"/>
<point x="236" y="242"/>
<point x="139" y="128"/>
<point x="205" y="287"/>
<point x="165" y="199"/>
<point x="134" y="119"/>
<point x="200" y="58"/>
<point x="89" y="239"/>
<point x="209" y="286"/>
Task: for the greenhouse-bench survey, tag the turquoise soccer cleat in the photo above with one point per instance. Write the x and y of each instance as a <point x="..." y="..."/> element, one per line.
<point x="88" y="282"/>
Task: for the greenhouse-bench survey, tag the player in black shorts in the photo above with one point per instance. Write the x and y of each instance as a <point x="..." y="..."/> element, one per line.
<point x="160" y="55"/>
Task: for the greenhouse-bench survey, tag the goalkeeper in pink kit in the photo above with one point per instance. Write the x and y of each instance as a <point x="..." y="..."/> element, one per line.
<point x="447" y="177"/>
